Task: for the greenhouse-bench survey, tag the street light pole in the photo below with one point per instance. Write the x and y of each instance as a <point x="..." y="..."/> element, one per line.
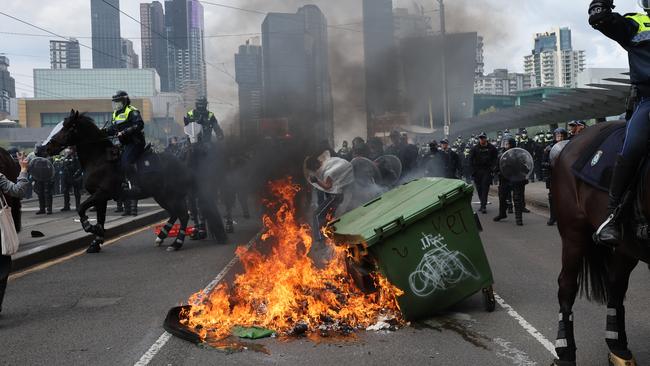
<point x="445" y="92"/>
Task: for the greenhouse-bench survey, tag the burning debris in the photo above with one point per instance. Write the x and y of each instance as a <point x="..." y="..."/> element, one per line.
<point x="284" y="291"/>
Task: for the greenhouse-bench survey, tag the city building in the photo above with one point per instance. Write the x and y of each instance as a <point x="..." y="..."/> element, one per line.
<point x="599" y="75"/>
<point x="422" y="67"/>
<point x="411" y="25"/>
<point x="296" y="75"/>
<point x="186" y="49"/>
<point x="480" y="58"/>
<point x="94" y="83"/>
<point x="248" y="72"/>
<point x="106" y="40"/>
<point x="502" y="82"/>
<point x="130" y="59"/>
<point x="154" y="42"/>
<point x="65" y="54"/>
<point x="553" y="61"/>
<point x="381" y="61"/>
<point x="7" y="87"/>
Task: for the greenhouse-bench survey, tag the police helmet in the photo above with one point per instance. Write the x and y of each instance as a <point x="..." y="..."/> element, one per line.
<point x="561" y="131"/>
<point x="645" y="4"/>
<point x="120" y="100"/>
<point x="202" y="103"/>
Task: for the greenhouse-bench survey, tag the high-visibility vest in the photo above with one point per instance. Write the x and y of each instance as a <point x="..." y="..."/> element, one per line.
<point x="643" y="34"/>
<point x="124" y="116"/>
<point x="190" y="115"/>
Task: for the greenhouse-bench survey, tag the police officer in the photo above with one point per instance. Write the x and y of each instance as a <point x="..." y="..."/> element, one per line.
<point x="43" y="188"/>
<point x="344" y="152"/>
<point x="576" y="127"/>
<point x="451" y="160"/>
<point x="483" y="159"/>
<point x="128" y="126"/>
<point x="508" y="189"/>
<point x="632" y="32"/>
<point x="560" y="135"/>
<point x="71" y="179"/>
<point x="206" y="119"/>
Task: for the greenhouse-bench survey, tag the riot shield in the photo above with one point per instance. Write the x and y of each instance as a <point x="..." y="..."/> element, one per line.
<point x="390" y="168"/>
<point x="516" y="165"/>
<point x="366" y="173"/>
<point x="557" y="149"/>
<point x="41" y="169"/>
<point x="193" y="131"/>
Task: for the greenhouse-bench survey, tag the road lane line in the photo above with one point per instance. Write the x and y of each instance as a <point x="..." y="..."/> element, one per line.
<point x="59" y="260"/>
<point x="526" y="325"/>
<point x="164" y="338"/>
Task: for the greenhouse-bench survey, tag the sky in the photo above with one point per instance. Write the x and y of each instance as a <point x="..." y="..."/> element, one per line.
<point x="508" y="27"/>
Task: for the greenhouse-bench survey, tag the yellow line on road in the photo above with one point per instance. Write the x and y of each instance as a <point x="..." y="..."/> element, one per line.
<point x="59" y="260"/>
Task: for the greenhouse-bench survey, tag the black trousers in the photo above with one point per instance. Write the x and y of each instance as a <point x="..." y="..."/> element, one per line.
<point x="5" y="269"/>
<point x="483" y="181"/>
<point x="517" y="192"/>
<point x="76" y="190"/>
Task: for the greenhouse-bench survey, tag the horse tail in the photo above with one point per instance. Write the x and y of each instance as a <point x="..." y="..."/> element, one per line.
<point x="594" y="274"/>
<point x="208" y="207"/>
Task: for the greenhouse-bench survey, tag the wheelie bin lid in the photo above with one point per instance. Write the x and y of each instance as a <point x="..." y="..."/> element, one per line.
<point x="397" y="209"/>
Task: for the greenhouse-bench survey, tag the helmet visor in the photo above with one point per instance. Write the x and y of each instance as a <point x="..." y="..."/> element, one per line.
<point x="645" y="4"/>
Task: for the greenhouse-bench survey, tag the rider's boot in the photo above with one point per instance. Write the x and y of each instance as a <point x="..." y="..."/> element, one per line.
<point x="609" y="233"/>
<point x="131" y="187"/>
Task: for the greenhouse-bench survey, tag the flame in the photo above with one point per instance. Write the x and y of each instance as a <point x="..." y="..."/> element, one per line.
<point x="283" y="288"/>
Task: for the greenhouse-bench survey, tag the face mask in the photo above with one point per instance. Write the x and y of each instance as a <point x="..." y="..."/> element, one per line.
<point x="118" y="106"/>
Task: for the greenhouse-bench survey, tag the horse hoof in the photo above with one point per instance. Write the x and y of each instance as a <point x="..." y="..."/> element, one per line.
<point x="618" y="361"/>
<point x="174" y="247"/>
<point x="93" y="248"/>
<point x="158" y="242"/>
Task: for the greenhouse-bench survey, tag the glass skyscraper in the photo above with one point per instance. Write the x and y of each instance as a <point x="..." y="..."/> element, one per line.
<point x="154" y="42"/>
<point x="106" y="41"/>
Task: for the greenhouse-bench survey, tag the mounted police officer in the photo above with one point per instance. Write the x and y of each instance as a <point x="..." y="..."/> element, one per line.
<point x="128" y="126"/>
<point x="632" y="32"/>
<point x="206" y="119"/>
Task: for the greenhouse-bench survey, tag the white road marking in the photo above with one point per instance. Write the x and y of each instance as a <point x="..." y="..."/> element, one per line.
<point x="526" y="325"/>
<point x="164" y="338"/>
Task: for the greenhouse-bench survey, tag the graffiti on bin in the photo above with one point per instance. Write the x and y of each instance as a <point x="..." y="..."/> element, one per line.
<point x="453" y="222"/>
<point x="440" y="268"/>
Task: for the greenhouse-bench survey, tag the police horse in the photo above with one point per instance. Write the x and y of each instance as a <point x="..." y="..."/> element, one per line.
<point x="599" y="273"/>
<point x="161" y="176"/>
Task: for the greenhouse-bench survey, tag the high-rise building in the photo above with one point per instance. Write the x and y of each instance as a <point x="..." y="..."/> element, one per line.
<point x="7" y="86"/>
<point x="297" y="82"/>
<point x="380" y="53"/>
<point x="248" y="72"/>
<point x="130" y="59"/>
<point x="65" y="54"/>
<point x="107" y="43"/>
<point x="553" y="61"/>
<point x="154" y="41"/>
<point x="411" y="25"/>
<point x="186" y="51"/>
<point x="480" y="58"/>
<point x="423" y="68"/>
<point x="502" y="82"/>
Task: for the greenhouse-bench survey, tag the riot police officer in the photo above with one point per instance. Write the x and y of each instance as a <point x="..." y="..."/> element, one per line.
<point x="451" y="160"/>
<point x="206" y="119"/>
<point x="42" y="171"/>
<point x="509" y="188"/>
<point x="71" y="179"/>
<point x="560" y="135"/>
<point x="128" y="126"/>
<point x="483" y="159"/>
<point x="632" y="32"/>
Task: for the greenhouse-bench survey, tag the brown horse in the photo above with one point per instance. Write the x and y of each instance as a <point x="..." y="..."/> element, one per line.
<point x="599" y="273"/>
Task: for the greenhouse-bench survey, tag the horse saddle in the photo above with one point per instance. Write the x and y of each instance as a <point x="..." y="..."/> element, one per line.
<point x="596" y="164"/>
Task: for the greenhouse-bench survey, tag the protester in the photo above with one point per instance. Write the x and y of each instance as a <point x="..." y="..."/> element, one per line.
<point x="14" y="190"/>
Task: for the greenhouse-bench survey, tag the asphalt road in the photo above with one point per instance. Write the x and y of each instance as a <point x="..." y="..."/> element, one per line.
<point x="108" y="309"/>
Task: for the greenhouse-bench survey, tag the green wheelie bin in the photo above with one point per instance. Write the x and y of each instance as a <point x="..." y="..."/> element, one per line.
<point x="424" y="237"/>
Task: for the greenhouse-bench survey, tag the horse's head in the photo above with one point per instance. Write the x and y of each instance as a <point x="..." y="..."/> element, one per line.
<point x="74" y="129"/>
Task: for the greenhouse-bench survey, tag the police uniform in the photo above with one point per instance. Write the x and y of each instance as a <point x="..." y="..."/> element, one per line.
<point x="483" y="160"/>
<point x="632" y="32"/>
<point x="208" y="122"/>
<point x="510" y="190"/>
<point x="71" y="180"/>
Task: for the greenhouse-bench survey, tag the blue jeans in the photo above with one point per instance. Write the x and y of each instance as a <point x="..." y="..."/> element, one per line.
<point x="635" y="147"/>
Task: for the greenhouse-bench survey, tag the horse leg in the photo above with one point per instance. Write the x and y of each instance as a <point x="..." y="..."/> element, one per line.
<point x="81" y="210"/>
<point x="616" y="338"/>
<point x="181" y="211"/>
<point x="574" y="251"/>
<point x="164" y="232"/>
<point x="98" y="229"/>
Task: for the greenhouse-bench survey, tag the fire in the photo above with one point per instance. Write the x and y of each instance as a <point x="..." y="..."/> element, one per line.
<point x="283" y="287"/>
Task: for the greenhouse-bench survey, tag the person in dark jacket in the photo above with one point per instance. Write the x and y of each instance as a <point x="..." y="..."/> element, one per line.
<point x="509" y="189"/>
<point x="632" y="32"/>
<point x="483" y="158"/>
<point x="560" y="135"/>
<point x="451" y="159"/>
<point x="15" y="190"/>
